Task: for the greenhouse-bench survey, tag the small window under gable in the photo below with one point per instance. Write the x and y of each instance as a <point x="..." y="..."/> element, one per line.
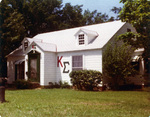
<point x="81" y="39"/>
<point x="85" y="36"/>
<point x="128" y="30"/>
<point x="25" y="44"/>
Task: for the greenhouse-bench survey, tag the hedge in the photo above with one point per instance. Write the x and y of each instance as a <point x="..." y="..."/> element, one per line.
<point x="85" y="79"/>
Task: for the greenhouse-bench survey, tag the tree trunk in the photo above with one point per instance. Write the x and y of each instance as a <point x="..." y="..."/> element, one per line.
<point x="116" y="83"/>
<point x="2" y="94"/>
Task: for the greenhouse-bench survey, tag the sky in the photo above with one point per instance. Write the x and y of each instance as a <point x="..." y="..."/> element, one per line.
<point x="103" y="6"/>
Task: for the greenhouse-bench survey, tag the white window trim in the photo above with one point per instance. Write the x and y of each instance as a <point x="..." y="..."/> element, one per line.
<point x="81" y="39"/>
<point x="26" y="41"/>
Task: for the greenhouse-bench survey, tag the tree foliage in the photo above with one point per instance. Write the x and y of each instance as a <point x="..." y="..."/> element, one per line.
<point x="116" y="10"/>
<point x="117" y="62"/>
<point x="22" y="18"/>
<point x="71" y="16"/>
<point x="13" y="31"/>
<point x="94" y="17"/>
<point x="137" y="12"/>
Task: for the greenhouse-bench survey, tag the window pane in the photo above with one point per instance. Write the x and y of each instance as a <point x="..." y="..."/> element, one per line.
<point x="77" y="63"/>
<point x="75" y="69"/>
<point x="25" y="45"/>
<point x="81" y="39"/>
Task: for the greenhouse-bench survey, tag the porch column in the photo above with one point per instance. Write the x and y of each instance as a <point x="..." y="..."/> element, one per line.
<point x="26" y="67"/>
<point x="142" y="66"/>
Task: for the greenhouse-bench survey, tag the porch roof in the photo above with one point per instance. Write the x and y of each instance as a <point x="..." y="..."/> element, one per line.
<point x="16" y="52"/>
<point x="20" y="61"/>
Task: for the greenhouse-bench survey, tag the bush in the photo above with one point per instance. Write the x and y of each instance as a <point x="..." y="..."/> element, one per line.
<point x="117" y="63"/>
<point x="64" y="84"/>
<point x="58" y="85"/>
<point x="22" y="84"/>
<point x="85" y="79"/>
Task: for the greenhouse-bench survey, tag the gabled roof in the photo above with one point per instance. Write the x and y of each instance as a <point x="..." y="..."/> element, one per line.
<point x="65" y="39"/>
<point x="87" y="32"/>
<point x="30" y="40"/>
<point x="17" y="52"/>
<point x="45" y="46"/>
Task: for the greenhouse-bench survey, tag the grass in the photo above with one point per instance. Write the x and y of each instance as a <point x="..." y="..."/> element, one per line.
<point x="70" y="103"/>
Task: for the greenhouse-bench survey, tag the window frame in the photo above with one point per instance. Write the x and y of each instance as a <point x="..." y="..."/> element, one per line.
<point x="77" y="62"/>
<point x="26" y="44"/>
<point x="81" y="39"/>
<point x="128" y="30"/>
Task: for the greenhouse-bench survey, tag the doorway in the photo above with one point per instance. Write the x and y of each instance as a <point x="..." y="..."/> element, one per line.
<point x="19" y="70"/>
<point x="34" y="66"/>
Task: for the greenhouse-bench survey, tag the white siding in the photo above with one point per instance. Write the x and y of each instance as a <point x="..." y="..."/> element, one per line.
<point x="42" y="68"/>
<point x="60" y="76"/>
<point x="49" y="67"/>
<point x="41" y="63"/>
<point x="92" y="60"/>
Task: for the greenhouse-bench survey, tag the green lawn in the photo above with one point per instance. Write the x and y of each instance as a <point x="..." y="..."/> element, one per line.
<point x="71" y="103"/>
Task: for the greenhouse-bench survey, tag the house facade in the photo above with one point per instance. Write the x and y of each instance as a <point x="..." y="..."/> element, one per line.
<point x="50" y="57"/>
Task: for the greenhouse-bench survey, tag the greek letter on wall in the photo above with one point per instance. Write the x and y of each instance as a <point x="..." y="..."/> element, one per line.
<point x="64" y="71"/>
<point x="59" y="61"/>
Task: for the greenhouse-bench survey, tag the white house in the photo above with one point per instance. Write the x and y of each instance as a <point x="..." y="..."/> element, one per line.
<point x="50" y="57"/>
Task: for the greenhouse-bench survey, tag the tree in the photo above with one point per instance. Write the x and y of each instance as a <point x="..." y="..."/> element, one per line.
<point x="71" y="16"/>
<point x="13" y="31"/>
<point x="94" y="17"/>
<point x="137" y="12"/>
<point x="42" y="16"/>
<point x="1" y="53"/>
<point x="116" y="10"/>
<point x="21" y="18"/>
<point x="117" y="62"/>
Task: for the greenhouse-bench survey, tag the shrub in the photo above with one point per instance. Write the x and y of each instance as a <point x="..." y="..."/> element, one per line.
<point x="58" y="85"/>
<point x="117" y="63"/>
<point x="64" y="84"/>
<point x="85" y="79"/>
<point x="22" y="84"/>
<point x="34" y="85"/>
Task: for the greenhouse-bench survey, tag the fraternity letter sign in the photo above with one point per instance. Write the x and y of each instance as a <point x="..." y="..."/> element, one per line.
<point x="59" y="61"/>
<point x="64" y="71"/>
<point x="64" y="63"/>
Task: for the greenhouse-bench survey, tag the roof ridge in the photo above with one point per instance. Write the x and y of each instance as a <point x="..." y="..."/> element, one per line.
<point x="86" y="26"/>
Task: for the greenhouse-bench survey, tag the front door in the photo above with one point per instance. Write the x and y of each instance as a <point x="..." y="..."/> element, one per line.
<point x="19" y="71"/>
<point x="34" y="66"/>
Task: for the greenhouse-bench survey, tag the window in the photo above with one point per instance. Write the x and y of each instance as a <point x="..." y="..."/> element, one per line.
<point x="128" y="30"/>
<point x="25" y="45"/>
<point x="81" y="39"/>
<point x="77" y="63"/>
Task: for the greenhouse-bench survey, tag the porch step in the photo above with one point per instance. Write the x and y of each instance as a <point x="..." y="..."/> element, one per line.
<point x="138" y="80"/>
